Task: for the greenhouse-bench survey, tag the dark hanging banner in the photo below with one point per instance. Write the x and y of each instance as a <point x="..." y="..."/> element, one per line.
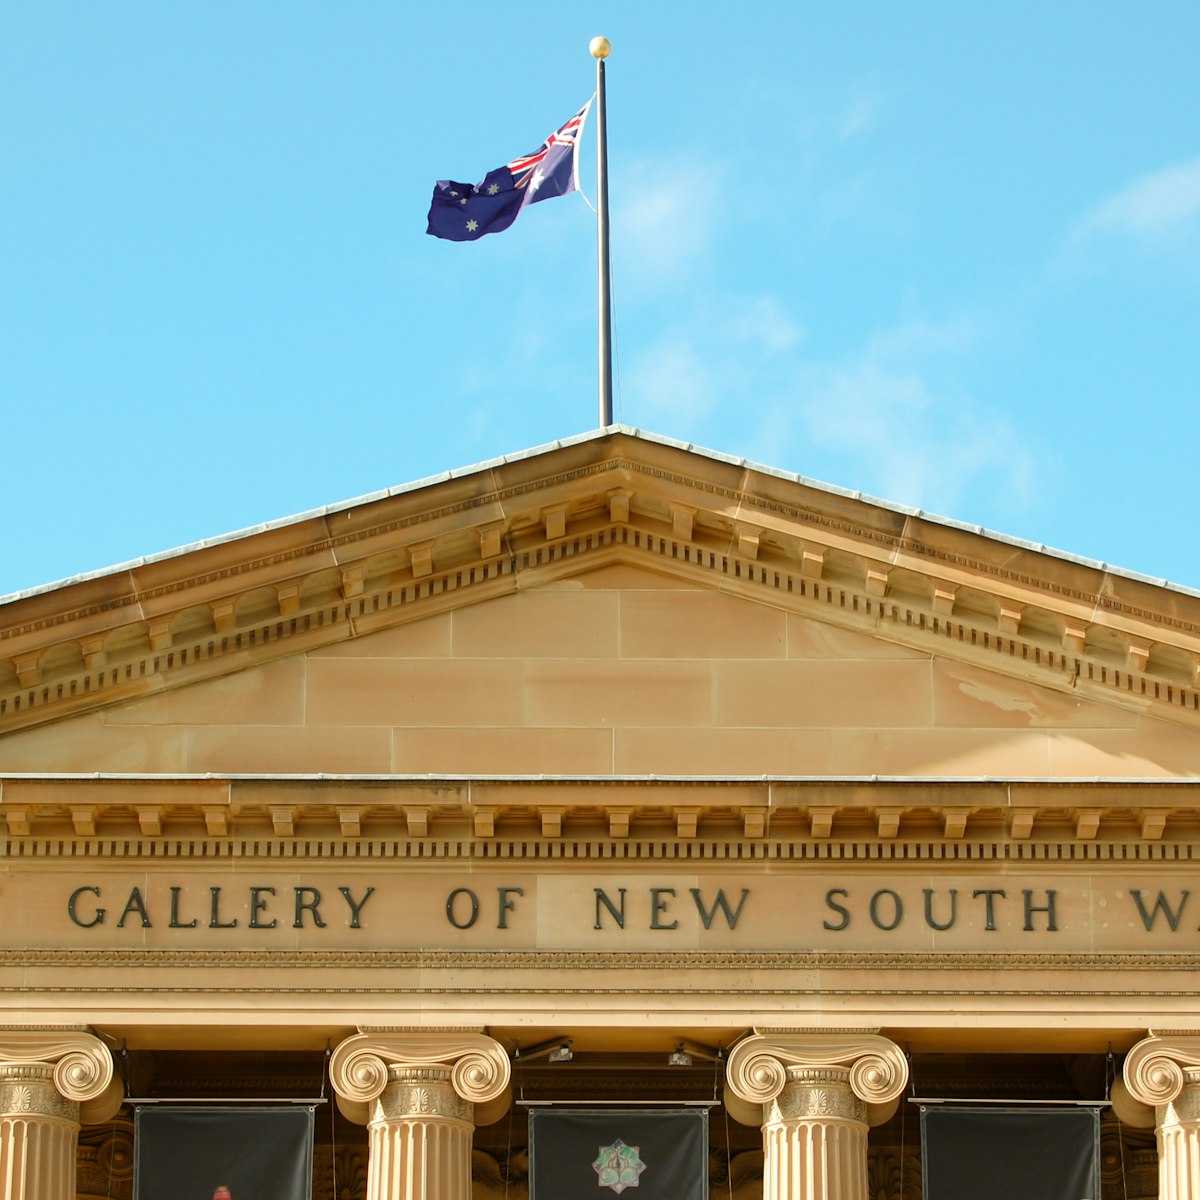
<point x="587" y="1154"/>
<point x="242" y="1153"/>
<point x="1001" y="1152"/>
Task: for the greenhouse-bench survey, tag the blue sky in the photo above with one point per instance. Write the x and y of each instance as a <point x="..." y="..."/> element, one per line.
<point x="947" y="254"/>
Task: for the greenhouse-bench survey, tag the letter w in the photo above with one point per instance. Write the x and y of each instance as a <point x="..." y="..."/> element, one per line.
<point x="707" y="915"/>
<point x="1160" y="905"/>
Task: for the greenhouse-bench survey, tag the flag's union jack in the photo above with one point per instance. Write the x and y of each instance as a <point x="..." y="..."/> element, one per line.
<point x="524" y="168"/>
<point x="464" y="212"/>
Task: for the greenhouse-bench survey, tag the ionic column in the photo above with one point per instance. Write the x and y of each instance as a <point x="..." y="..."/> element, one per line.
<point x="817" y="1095"/>
<point x="1163" y="1073"/>
<point x="418" y="1094"/>
<point x="50" y="1080"/>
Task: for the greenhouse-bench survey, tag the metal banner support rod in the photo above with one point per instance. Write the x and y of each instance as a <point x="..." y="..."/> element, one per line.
<point x="167" y="1101"/>
<point x="968" y="1103"/>
<point x="631" y="1104"/>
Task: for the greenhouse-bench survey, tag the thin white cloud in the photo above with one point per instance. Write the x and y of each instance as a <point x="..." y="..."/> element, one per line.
<point x="886" y="426"/>
<point x="914" y="448"/>
<point x="669" y="385"/>
<point x="682" y="375"/>
<point x="478" y="423"/>
<point x="881" y="413"/>
<point x="663" y="220"/>
<point x="876" y="414"/>
<point x="858" y="117"/>
<point x="1162" y="203"/>
<point x="920" y="336"/>
<point x="764" y="321"/>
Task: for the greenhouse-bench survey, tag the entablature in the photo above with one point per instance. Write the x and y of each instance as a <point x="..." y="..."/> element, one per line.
<point x="607" y="818"/>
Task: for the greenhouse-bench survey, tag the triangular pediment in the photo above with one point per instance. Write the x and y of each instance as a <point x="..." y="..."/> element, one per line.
<point x="984" y="643"/>
<point x="619" y="671"/>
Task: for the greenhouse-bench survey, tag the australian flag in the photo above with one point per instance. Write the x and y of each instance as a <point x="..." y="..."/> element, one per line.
<point x="462" y="212"/>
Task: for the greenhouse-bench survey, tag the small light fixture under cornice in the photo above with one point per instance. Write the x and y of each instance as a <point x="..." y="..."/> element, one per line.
<point x="679" y="1057"/>
<point x="687" y="1053"/>
<point x="557" y="1050"/>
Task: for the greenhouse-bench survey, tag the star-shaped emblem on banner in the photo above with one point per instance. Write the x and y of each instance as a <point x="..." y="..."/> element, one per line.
<point x="618" y="1166"/>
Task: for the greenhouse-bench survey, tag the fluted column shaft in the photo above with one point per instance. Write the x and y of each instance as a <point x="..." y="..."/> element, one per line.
<point x="819" y="1094"/>
<point x="1178" y="1133"/>
<point x="38" y="1131"/>
<point x="420" y="1137"/>
<point x="46" y="1078"/>
<point x="1164" y="1073"/>
<point x="417" y="1093"/>
<point x="815" y="1137"/>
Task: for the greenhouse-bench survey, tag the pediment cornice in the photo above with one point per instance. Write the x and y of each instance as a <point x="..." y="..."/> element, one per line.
<point x="832" y="556"/>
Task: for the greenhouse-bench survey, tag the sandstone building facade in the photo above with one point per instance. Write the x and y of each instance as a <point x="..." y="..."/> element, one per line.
<point x="611" y="771"/>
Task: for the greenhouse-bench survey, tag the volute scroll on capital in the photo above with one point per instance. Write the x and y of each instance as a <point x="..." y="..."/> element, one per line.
<point x="82" y="1063"/>
<point x="1157" y="1068"/>
<point x="757" y="1069"/>
<point x="479" y="1065"/>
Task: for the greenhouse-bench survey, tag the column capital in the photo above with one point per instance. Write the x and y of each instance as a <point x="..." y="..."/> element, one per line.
<point x="1159" y="1067"/>
<point x="758" y="1065"/>
<point x="479" y="1065"/>
<point x="82" y="1064"/>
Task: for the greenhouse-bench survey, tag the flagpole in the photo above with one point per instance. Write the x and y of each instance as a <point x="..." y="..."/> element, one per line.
<point x="600" y="48"/>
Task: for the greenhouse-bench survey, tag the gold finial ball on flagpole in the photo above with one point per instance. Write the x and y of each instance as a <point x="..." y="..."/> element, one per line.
<point x="600" y="47"/>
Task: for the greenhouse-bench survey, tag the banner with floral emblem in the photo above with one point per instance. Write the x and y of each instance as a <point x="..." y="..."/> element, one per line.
<point x="638" y="1153"/>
